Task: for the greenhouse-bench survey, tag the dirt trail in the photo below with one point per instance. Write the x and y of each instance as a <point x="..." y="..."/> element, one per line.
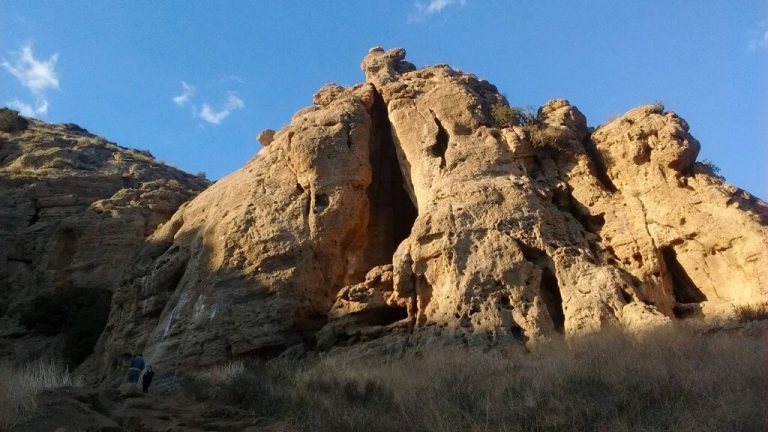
<point x="127" y="409"/>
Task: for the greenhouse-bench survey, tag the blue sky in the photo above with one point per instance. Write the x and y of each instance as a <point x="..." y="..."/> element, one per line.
<point x="194" y="82"/>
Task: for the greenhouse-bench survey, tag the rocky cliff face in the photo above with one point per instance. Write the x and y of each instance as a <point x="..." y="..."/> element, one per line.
<point x="73" y="209"/>
<point x="403" y="208"/>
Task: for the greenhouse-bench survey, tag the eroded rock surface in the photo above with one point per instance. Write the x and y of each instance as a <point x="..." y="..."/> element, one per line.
<point x="254" y="263"/>
<point x="400" y="207"/>
<point x="73" y="208"/>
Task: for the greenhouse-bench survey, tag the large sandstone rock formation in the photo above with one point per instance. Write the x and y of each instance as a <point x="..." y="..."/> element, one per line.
<point x="402" y="207"/>
<point x="73" y="208"/>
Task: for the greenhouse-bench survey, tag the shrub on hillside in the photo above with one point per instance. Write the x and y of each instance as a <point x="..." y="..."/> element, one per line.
<point x="539" y="134"/>
<point x="506" y="116"/>
<point x="79" y="314"/>
<point x="11" y="121"/>
<point x="710" y="165"/>
<point x="71" y="127"/>
<point x="543" y="136"/>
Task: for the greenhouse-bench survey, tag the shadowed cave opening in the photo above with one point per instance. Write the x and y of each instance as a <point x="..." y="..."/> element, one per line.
<point x="550" y="295"/>
<point x="441" y="141"/>
<point x="392" y="210"/>
<point x="77" y="315"/>
<point x="684" y="289"/>
<point x="383" y="316"/>
<point x="549" y="287"/>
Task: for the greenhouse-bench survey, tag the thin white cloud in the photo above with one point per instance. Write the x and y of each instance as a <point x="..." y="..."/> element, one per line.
<point x="211" y="116"/>
<point x="758" y="39"/>
<point x="36" y="75"/>
<point x="187" y="92"/>
<point x="206" y="112"/>
<point x="438" y="5"/>
<point x="423" y="9"/>
<point x="28" y="110"/>
<point x="23" y="108"/>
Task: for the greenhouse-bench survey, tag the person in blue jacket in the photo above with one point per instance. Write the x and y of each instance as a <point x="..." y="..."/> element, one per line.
<point x="134" y="371"/>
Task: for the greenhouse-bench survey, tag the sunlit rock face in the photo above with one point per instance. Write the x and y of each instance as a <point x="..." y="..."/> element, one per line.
<point x="401" y="210"/>
<point x="73" y="210"/>
<point x="253" y="264"/>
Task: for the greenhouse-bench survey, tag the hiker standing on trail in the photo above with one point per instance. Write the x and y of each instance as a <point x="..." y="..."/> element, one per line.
<point x="134" y="371"/>
<point x="146" y="380"/>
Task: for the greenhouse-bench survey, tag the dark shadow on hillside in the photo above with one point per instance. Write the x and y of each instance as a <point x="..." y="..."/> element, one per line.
<point x="77" y="315"/>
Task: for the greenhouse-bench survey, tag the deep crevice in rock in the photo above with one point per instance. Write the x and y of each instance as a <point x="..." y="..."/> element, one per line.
<point x="349" y="138"/>
<point x="36" y="215"/>
<point x="321" y="202"/>
<point x="382" y="316"/>
<point x="565" y="201"/>
<point x="686" y="293"/>
<point x="550" y="295"/>
<point x="549" y="287"/>
<point x="519" y="334"/>
<point x="392" y="211"/>
<point x="20" y="260"/>
<point x="600" y="169"/>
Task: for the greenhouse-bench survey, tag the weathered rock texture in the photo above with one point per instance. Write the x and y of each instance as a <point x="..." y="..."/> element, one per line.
<point x="73" y="208"/>
<point x="400" y="207"/>
<point x="255" y="262"/>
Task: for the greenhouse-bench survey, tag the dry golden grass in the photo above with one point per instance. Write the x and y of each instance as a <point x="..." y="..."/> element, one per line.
<point x="224" y="372"/>
<point x="751" y="312"/>
<point x="19" y="388"/>
<point x="666" y="379"/>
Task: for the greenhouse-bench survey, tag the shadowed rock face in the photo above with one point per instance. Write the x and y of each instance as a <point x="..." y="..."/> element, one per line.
<point x="399" y="207"/>
<point x="73" y="209"/>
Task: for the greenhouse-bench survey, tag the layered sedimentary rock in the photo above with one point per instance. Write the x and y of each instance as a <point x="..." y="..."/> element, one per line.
<point x="73" y="208"/>
<point x="403" y="206"/>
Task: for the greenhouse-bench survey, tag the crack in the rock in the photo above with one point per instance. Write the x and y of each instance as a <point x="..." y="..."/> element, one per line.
<point x="35" y="216"/>
<point x="598" y="160"/>
<point x="392" y="209"/>
<point x="645" y="223"/>
<point x="441" y="141"/>
<point x="349" y="136"/>
<point x="21" y="260"/>
<point x="549" y="286"/>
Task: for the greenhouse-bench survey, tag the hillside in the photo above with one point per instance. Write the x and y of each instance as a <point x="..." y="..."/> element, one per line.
<point x="409" y="253"/>
<point x="73" y="208"/>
